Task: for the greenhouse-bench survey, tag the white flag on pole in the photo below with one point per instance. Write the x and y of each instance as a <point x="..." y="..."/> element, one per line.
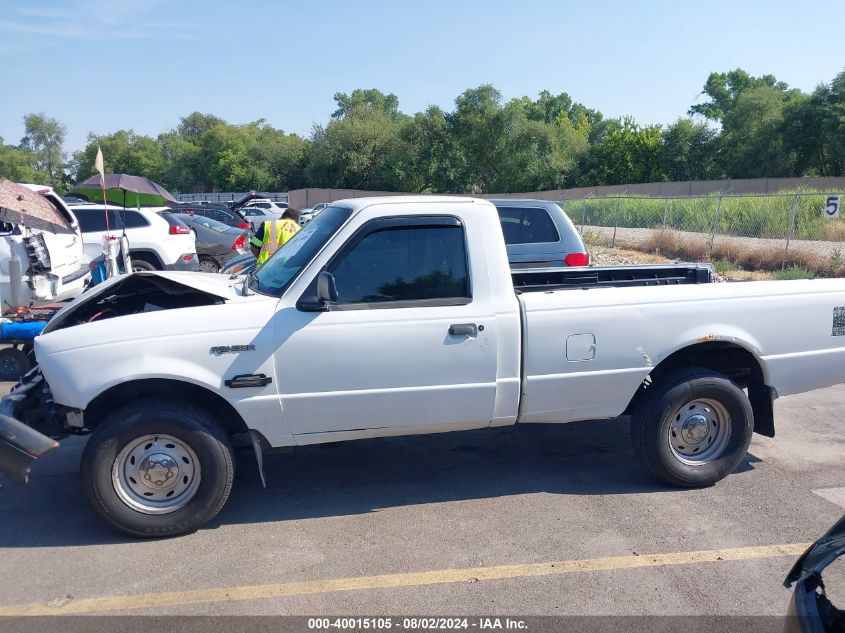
<point x="98" y="165"/>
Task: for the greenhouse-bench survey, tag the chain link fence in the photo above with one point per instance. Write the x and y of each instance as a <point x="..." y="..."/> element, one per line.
<point x="754" y="232"/>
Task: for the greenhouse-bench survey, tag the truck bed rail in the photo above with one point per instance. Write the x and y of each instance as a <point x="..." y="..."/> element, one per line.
<point x="546" y="279"/>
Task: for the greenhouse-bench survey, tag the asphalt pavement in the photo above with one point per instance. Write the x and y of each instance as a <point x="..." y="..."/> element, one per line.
<point x="527" y="520"/>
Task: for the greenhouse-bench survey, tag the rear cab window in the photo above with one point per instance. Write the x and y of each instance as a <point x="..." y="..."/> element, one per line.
<point x="527" y="225"/>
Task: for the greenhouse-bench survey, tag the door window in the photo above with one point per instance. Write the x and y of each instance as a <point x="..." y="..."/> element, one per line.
<point x="420" y="263"/>
<point x="134" y="219"/>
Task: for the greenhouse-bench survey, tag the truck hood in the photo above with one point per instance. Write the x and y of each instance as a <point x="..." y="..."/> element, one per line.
<point x="148" y="291"/>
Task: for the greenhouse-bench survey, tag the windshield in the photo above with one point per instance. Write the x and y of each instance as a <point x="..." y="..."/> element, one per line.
<point x="282" y="268"/>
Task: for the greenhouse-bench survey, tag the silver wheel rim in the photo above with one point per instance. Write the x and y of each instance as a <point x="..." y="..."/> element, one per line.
<point x="156" y="474"/>
<point x="699" y="431"/>
<point x="208" y="267"/>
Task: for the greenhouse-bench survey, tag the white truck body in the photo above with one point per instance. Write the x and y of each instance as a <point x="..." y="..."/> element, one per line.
<point x="344" y="372"/>
<point x="362" y="373"/>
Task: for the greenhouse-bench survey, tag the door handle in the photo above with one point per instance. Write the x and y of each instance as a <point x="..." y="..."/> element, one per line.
<point x="463" y="329"/>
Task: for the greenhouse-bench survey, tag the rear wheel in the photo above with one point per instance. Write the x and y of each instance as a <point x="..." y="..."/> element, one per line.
<point x="692" y="427"/>
<point x="208" y="265"/>
<point x="158" y="468"/>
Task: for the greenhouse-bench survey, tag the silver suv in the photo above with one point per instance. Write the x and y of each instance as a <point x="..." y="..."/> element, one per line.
<point x="538" y="234"/>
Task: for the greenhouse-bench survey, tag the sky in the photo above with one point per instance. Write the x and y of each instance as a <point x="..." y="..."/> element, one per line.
<point x="103" y="65"/>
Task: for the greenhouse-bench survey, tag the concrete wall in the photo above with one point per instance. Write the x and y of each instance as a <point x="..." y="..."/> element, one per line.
<point x="302" y="198"/>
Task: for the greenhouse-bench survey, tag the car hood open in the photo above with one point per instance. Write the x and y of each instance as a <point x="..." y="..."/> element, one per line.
<point x="197" y="289"/>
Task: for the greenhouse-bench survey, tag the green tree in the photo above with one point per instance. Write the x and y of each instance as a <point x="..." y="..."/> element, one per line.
<point x="434" y="159"/>
<point x="725" y="89"/>
<point x="626" y="153"/>
<point x="752" y="144"/>
<point x="18" y="165"/>
<point x="369" y="99"/>
<point x="124" y="152"/>
<point x="44" y="137"/>
<point x="193" y="126"/>
<point x="688" y="151"/>
<point x="361" y="147"/>
<point x="814" y="130"/>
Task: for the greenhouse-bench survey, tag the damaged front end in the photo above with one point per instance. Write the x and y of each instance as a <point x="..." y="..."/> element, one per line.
<point x="811" y="609"/>
<point x="30" y="422"/>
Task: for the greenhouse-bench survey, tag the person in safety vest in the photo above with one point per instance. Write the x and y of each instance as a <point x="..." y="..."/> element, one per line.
<point x="273" y="235"/>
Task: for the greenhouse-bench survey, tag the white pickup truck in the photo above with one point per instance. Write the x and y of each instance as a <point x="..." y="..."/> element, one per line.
<point x="399" y="316"/>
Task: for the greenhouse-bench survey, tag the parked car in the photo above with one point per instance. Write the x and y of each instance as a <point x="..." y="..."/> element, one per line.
<point x="306" y="215"/>
<point x="231" y="217"/>
<point x="811" y="610"/>
<point x="53" y="266"/>
<point x="257" y="216"/>
<point x="274" y="206"/>
<point x="538" y="233"/>
<point x="153" y="243"/>
<point x="285" y="357"/>
<point x="217" y="243"/>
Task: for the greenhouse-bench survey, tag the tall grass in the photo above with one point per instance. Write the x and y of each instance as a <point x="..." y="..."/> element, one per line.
<point x="761" y="215"/>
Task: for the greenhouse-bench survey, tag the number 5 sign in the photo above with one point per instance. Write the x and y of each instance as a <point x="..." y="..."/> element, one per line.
<point x="831" y="209"/>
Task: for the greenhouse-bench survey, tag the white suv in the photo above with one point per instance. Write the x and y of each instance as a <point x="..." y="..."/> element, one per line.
<point x="154" y="244"/>
<point x="274" y="206"/>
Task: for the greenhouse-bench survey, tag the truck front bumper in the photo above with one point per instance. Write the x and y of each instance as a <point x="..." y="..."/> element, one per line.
<point x="20" y="444"/>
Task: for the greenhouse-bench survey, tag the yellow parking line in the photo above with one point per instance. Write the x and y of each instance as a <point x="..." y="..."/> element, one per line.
<point x="389" y="581"/>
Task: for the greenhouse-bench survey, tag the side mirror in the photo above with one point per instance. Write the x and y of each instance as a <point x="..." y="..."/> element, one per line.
<point x="326" y="288"/>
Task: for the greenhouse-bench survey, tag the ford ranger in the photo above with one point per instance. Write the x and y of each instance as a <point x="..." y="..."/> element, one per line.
<point x="399" y="316"/>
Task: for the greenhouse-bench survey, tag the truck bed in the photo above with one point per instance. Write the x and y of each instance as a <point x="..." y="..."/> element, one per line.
<point x="546" y="279"/>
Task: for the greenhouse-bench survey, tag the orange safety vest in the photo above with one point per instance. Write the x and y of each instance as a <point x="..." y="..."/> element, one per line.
<point x="276" y="235"/>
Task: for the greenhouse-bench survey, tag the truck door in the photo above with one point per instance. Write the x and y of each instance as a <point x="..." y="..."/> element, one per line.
<point x="407" y="344"/>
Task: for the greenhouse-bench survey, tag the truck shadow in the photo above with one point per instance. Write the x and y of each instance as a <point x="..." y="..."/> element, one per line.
<point x="581" y="458"/>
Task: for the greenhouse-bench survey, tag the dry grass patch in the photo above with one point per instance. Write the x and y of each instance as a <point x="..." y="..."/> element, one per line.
<point x="742" y="254"/>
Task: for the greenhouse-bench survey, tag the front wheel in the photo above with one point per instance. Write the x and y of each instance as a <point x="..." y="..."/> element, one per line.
<point x="157" y="468"/>
<point x="692" y="427"/>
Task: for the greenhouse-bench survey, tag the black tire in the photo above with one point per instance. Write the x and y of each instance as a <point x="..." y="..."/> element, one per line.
<point x="14" y="363"/>
<point x="211" y="265"/>
<point x="194" y="427"/>
<point x="140" y="264"/>
<point x="651" y="425"/>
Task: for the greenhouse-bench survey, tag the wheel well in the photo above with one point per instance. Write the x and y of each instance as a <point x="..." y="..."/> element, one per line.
<point x="216" y="405"/>
<point x="733" y="360"/>
<point x="148" y="256"/>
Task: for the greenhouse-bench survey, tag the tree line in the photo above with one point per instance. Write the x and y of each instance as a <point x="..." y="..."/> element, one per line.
<point x="744" y="127"/>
